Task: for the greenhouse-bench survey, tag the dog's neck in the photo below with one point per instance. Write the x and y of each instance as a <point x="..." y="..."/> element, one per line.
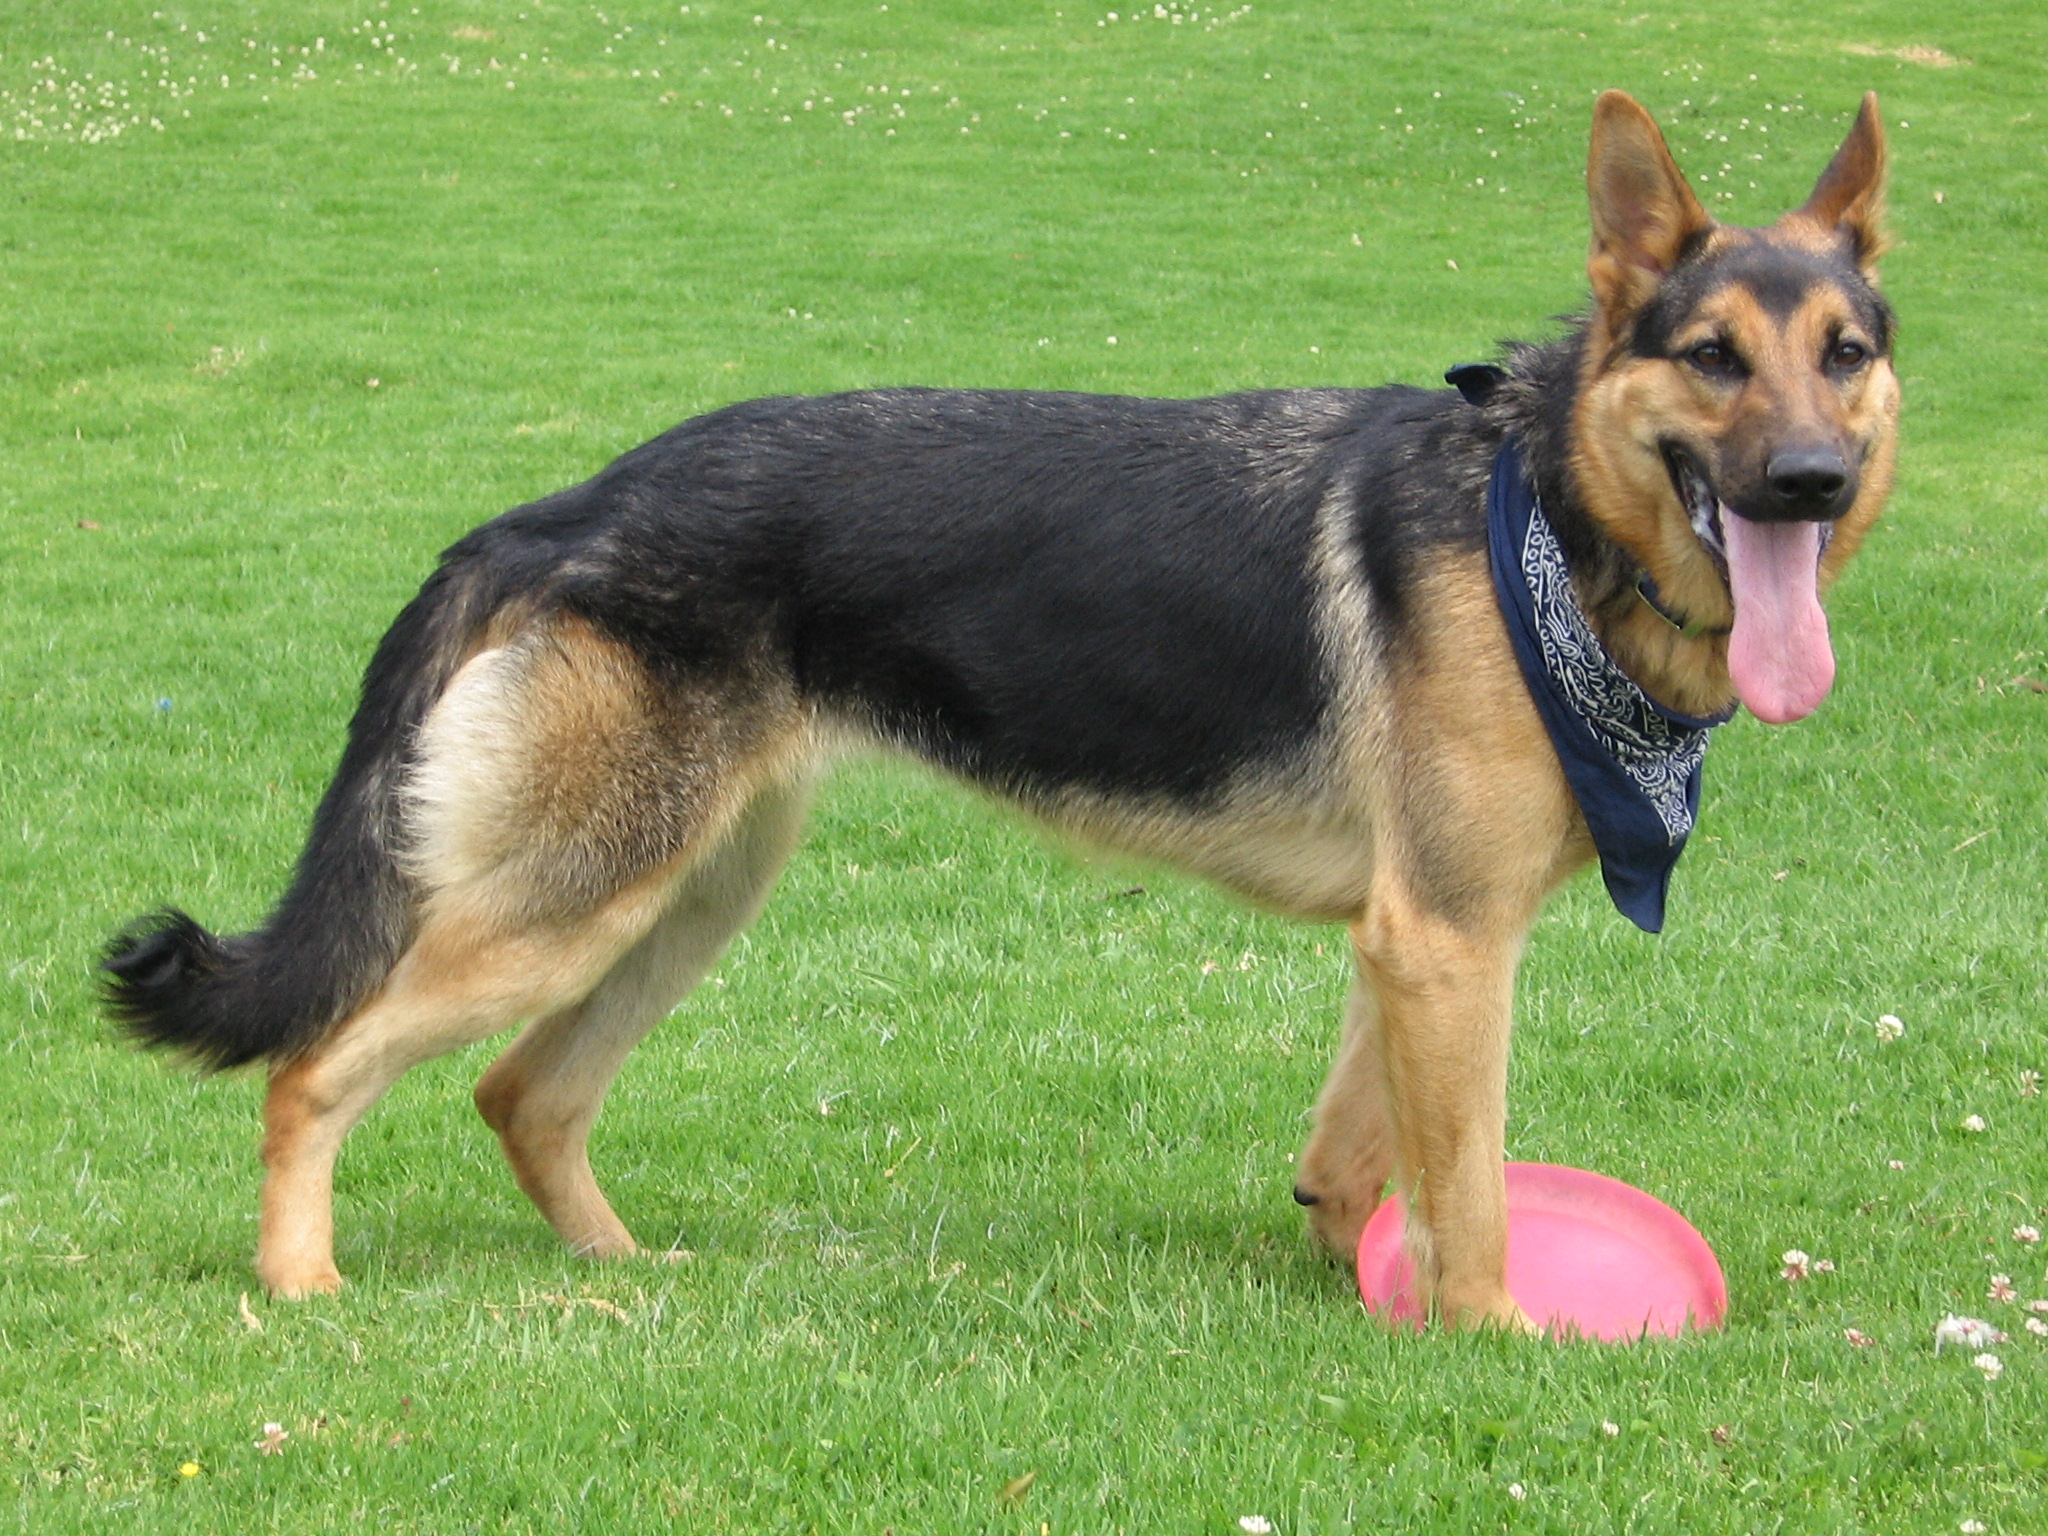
<point x="1686" y="672"/>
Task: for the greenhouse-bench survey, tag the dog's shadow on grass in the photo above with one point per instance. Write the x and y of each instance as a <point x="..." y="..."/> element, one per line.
<point x="471" y="1236"/>
<point x="1221" y="1244"/>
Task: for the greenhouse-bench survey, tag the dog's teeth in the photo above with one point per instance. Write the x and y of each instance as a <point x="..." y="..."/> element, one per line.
<point x="1707" y="524"/>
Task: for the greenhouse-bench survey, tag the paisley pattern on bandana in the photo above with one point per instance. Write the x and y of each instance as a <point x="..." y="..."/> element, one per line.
<point x="1659" y="755"/>
<point x="1633" y="765"/>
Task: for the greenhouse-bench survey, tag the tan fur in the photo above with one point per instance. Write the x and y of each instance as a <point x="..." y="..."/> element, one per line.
<point x="1626" y="410"/>
<point x="556" y="823"/>
<point x="1643" y="211"/>
<point x="1628" y="405"/>
<point x="1476" y="827"/>
<point x="1851" y="191"/>
<point x="544" y="1093"/>
<point x="585" y="838"/>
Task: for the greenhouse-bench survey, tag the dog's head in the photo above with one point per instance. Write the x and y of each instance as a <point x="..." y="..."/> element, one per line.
<point x="1734" y="430"/>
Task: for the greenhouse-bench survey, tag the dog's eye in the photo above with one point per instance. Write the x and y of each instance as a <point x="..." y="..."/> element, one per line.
<point x="1712" y="357"/>
<point x="1849" y="355"/>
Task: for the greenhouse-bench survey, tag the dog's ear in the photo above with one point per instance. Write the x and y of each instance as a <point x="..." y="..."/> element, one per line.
<point x="1849" y="197"/>
<point x="1644" y="213"/>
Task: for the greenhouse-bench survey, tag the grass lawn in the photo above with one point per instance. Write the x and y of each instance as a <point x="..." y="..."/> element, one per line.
<point x="983" y="1158"/>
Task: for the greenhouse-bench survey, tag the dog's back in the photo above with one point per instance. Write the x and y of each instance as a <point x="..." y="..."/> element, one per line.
<point x="1042" y="592"/>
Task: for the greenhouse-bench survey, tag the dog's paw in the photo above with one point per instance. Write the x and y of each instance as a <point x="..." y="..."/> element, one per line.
<point x="297" y="1285"/>
<point x="1334" y="1222"/>
<point x="1494" y="1311"/>
<point x="608" y="1245"/>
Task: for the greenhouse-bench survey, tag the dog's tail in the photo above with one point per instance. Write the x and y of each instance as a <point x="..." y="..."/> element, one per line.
<point x="348" y="914"/>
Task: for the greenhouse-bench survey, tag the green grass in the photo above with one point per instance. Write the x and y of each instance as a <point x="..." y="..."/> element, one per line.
<point x="1044" y="1227"/>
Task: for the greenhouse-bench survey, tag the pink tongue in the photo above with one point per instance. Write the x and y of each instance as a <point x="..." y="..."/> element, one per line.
<point x="1778" y="654"/>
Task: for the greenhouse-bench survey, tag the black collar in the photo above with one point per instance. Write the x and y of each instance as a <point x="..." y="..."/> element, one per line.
<point x="1692" y="629"/>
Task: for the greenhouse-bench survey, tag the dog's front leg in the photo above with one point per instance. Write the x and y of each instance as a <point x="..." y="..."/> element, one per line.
<point x="1350" y="1155"/>
<point x="1444" y="990"/>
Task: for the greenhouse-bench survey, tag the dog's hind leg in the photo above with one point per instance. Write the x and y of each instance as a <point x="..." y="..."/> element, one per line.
<point x="1351" y="1154"/>
<point x="463" y="978"/>
<point x="559" y="796"/>
<point x="544" y="1093"/>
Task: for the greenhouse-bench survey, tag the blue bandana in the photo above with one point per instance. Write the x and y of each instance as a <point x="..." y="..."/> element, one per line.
<point x="1633" y="765"/>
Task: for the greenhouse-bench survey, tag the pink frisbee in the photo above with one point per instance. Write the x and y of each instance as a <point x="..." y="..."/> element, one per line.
<point x="1587" y="1255"/>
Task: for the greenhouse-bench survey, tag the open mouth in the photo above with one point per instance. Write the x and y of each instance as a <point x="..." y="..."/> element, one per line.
<point x="1696" y="494"/>
<point x="1704" y="508"/>
<point x="1779" y="658"/>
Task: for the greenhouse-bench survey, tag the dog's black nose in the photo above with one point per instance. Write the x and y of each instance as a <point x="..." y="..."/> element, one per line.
<point x="1808" y="479"/>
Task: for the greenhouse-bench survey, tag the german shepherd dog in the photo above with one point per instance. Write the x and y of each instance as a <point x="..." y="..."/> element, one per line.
<point x="1253" y="636"/>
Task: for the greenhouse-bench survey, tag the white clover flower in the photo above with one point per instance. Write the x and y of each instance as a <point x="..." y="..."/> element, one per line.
<point x="2002" y="1289"/>
<point x="1517" y="1492"/>
<point x="1609" y="1428"/>
<point x="1256" y="1525"/>
<point x="1858" y="1338"/>
<point x="1972" y="1528"/>
<point x="1964" y="1333"/>
<point x="1889" y="1027"/>
<point x="2037" y="1328"/>
<point x="1990" y="1365"/>
<point x="2026" y="1234"/>
<point x="1796" y="1265"/>
<point x="1974" y="1124"/>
